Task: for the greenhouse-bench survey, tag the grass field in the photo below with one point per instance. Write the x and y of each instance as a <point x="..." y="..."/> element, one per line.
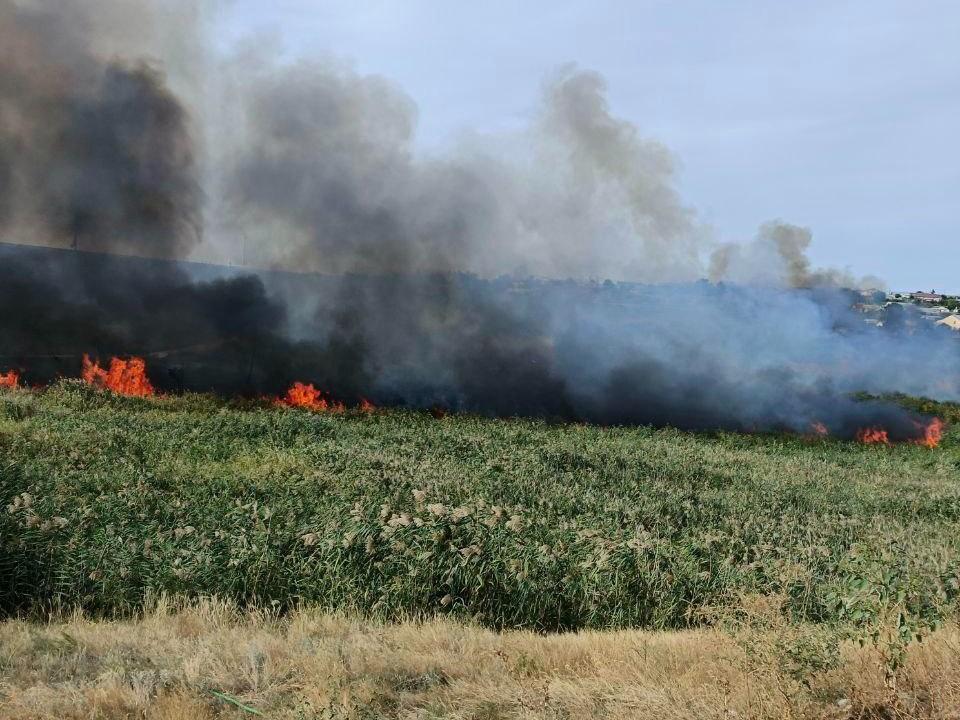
<point x="507" y="523"/>
<point x="113" y="502"/>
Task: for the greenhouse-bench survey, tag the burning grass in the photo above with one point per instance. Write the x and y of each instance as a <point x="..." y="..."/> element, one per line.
<point x="508" y="523"/>
<point x="307" y="397"/>
<point x="129" y="377"/>
<point x="932" y="433"/>
<point x="124" y="377"/>
<point x="873" y="436"/>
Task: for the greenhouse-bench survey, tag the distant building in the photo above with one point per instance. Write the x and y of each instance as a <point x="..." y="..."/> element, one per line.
<point x="935" y="310"/>
<point x="951" y="321"/>
<point x="929" y="297"/>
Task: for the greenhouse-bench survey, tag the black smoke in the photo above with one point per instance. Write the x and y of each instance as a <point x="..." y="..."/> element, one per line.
<point x="95" y="152"/>
<point x="403" y="278"/>
<point x="618" y="354"/>
<point x="223" y="334"/>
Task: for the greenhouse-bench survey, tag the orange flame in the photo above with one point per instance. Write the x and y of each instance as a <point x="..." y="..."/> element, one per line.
<point x="873" y="436"/>
<point x="366" y="406"/>
<point x="819" y="429"/>
<point x="306" y="396"/>
<point x="931" y="433"/>
<point x="124" y="377"/>
<point x="10" y="379"/>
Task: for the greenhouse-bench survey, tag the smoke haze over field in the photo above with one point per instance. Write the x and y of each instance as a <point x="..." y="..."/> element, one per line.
<point x="313" y="166"/>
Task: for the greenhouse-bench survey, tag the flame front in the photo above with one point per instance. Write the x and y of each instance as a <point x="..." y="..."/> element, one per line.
<point x="932" y="433"/>
<point x="305" y="395"/>
<point x="873" y="436"/>
<point x="129" y="377"/>
<point x="124" y="377"/>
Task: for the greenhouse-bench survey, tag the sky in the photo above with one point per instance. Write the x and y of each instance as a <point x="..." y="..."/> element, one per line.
<point x="839" y="116"/>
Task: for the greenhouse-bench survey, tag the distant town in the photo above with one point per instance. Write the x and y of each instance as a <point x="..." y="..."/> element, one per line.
<point x="911" y="309"/>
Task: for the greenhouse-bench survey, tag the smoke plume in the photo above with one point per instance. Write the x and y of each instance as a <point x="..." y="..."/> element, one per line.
<point x="467" y="279"/>
<point x="93" y="151"/>
<point x="778" y="257"/>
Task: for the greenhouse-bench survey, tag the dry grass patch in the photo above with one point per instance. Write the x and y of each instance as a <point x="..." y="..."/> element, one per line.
<point x="208" y="660"/>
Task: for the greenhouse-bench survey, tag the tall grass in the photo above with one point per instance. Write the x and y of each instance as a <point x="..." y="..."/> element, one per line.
<point x="108" y="500"/>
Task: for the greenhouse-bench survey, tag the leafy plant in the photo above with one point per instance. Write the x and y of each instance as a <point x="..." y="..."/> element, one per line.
<point x="886" y="602"/>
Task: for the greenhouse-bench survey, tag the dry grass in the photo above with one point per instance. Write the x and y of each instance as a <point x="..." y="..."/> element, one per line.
<point x="169" y="663"/>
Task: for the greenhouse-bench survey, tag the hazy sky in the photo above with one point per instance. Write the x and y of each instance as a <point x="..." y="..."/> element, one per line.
<point x="841" y="116"/>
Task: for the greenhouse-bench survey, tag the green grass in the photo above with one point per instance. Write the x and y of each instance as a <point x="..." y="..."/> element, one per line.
<point x="515" y="523"/>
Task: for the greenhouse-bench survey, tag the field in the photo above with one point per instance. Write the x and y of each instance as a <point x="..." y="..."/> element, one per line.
<point x="475" y="525"/>
<point x="197" y="663"/>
